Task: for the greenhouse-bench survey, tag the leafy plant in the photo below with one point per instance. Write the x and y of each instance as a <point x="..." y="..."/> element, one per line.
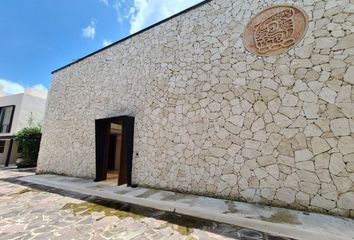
<point x="29" y="140"/>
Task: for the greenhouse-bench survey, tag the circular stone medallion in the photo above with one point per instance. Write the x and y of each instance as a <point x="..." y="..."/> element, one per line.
<point x="275" y="30"/>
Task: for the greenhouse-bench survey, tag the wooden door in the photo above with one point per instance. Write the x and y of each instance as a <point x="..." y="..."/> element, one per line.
<point x="126" y="160"/>
<point x="103" y="127"/>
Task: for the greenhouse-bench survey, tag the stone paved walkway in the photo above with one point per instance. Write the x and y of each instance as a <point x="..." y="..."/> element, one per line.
<point x="37" y="212"/>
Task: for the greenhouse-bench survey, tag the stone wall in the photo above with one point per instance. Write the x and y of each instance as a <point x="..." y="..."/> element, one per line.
<point x="213" y="119"/>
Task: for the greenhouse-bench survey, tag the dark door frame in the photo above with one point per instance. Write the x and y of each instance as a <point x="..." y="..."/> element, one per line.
<point x="102" y="128"/>
<point x="9" y="151"/>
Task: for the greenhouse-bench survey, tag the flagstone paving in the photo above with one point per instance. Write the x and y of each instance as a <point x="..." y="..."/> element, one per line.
<point x="29" y="211"/>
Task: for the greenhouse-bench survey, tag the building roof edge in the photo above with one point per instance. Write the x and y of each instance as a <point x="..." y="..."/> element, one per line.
<point x="134" y="34"/>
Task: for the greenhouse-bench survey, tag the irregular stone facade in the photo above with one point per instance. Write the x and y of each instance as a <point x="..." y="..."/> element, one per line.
<point x="213" y="119"/>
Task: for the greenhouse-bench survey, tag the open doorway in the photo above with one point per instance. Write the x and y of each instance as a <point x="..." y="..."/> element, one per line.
<point x="114" y="150"/>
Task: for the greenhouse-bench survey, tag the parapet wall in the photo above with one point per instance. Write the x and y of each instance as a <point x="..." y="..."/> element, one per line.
<point x="214" y="119"/>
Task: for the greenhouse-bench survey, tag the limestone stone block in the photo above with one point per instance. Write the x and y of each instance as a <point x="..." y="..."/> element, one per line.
<point x="282" y="120"/>
<point x="260" y="108"/>
<point x="273" y="170"/>
<point x="346" y="201"/>
<point x="300" y="86"/>
<point x="346" y="42"/>
<point x="267" y="149"/>
<point x="290" y="112"/>
<point x="350" y="167"/>
<point x="303" y="199"/>
<point x="274" y="105"/>
<point x="269" y="83"/>
<point x="258" y="125"/>
<point x="292" y="182"/>
<point x="214" y="107"/>
<point x="318" y="13"/>
<point x="319" y="145"/>
<point x="253" y="182"/>
<point x="285" y="148"/>
<point x="303" y="155"/>
<point x="304" y="52"/>
<point x="320" y="59"/>
<point x="325" y="42"/>
<point x="260" y="173"/>
<point x="268" y="193"/>
<point x="323" y="123"/>
<point x="340" y="127"/>
<point x="347" y="110"/>
<point x="316" y="86"/>
<point x="234" y="149"/>
<point x="322" y="161"/>
<point x="349" y="75"/>
<point x="222" y="133"/>
<point x="309" y="187"/>
<point x="286" y="160"/>
<point x="240" y="67"/>
<point x="248" y="194"/>
<point x="349" y="8"/>
<point x="286" y="195"/>
<point x="250" y="153"/>
<point x="344" y="94"/>
<point x="331" y="4"/>
<point x="306" y="165"/>
<point x="322" y="202"/>
<point x="233" y="128"/>
<point x="328" y="95"/>
<point x="301" y="63"/>
<point x="336" y="164"/>
<point x="308" y="96"/>
<point x="299" y="142"/>
<point x="311" y="110"/>
<point x="260" y="136"/>
<point x="217" y="152"/>
<point x="230" y="179"/>
<point x="346" y="145"/>
<point x="290" y="100"/>
<point x="333" y="111"/>
<point x="252" y="144"/>
<point x="300" y="122"/>
<point x="343" y="184"/>
<point x="349" y="158"/>
<point x="324" y="175"/>
<point x="268" y="94"/>
<point x="312" y="130"/>
<point x="329" y="191"/>
<point x="239" y="81"/>
<point x="312" y="76"/>
<point x="266" y="160"/>
<point x="308" y="177"/>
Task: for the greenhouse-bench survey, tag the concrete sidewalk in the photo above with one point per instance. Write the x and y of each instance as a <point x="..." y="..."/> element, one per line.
<point x="278" y="221"/>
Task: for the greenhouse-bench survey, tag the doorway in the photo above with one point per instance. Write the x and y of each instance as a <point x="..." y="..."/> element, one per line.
<point x="114" y="150"/>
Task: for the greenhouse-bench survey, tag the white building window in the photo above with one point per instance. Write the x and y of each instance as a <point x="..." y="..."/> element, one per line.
<point x="2" y="146"/>
<point x="6" y="114"/>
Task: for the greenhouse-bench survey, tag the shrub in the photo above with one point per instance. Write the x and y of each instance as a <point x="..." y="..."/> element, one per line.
<point x="29" y="140"/>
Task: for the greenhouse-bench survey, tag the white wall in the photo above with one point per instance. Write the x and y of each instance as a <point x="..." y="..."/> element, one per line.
<point x="31" y="106"/>
<point x="25" y="107"/>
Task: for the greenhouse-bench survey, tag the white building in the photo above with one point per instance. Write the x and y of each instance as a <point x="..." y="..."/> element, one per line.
<point x="17" y="112"/>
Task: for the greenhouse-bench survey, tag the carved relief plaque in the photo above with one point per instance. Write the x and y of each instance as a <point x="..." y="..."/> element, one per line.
<point x="275" y="30"/>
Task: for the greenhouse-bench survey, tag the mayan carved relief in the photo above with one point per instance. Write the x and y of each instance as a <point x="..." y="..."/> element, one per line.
<point x="275" y="30"/>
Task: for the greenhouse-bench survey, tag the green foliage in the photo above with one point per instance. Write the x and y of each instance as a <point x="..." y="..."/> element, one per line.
<point x="29" y="140"/>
